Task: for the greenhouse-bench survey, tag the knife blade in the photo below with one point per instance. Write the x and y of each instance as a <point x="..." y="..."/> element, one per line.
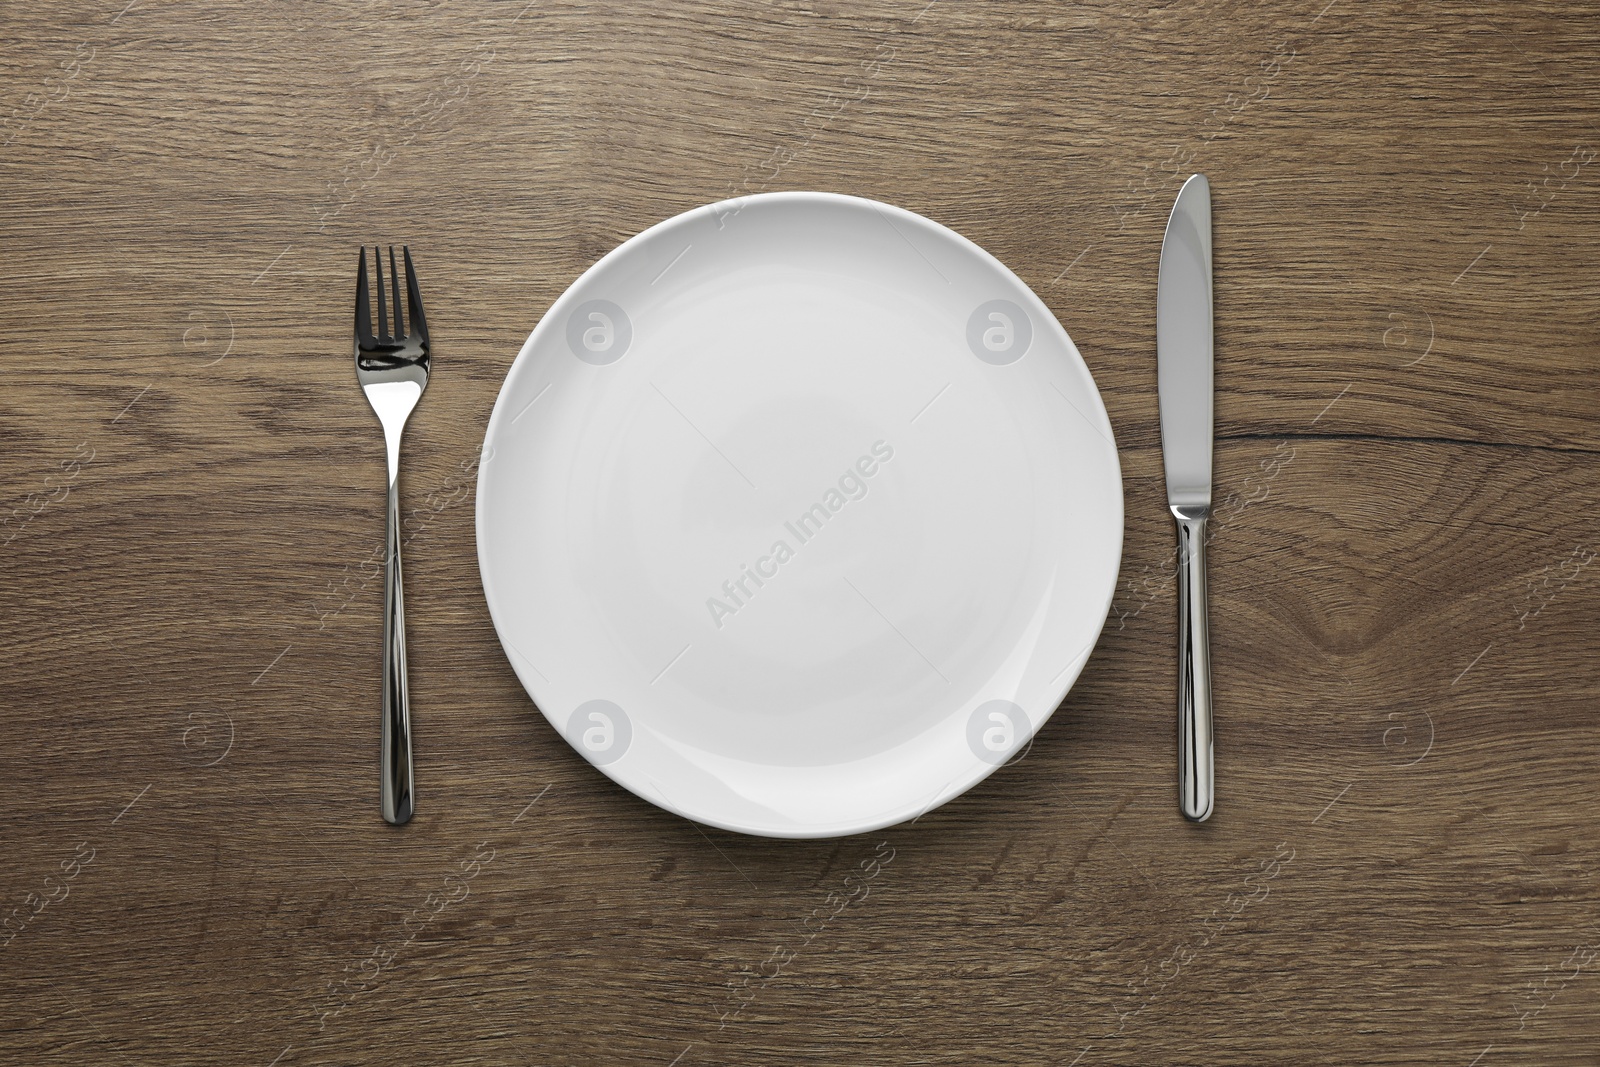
<point x="1184" y="379"/>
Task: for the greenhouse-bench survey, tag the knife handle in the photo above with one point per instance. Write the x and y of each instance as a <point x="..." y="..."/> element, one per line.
<point x="1195" y="782"/>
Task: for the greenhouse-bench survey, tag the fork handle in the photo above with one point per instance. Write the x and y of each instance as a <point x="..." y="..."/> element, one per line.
<point x="1195" y="782"/>
<point x="396" y="759"/>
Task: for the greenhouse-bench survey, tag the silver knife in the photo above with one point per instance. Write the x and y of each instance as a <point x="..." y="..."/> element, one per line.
<point x="1183" y="361"/>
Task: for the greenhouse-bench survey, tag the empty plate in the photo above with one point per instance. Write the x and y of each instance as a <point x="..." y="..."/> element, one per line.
<point x="798" y="514"/>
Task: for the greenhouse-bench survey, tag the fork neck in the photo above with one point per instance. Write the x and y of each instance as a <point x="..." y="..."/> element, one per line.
<point x="391" y="440"/>
<point x="393" y="402"/>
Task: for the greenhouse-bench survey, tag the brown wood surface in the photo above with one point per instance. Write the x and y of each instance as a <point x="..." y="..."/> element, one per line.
<point x="1404" y="867"/>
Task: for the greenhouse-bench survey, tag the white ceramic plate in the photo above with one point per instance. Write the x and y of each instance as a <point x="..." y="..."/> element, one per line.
<point x="798" y="514"/>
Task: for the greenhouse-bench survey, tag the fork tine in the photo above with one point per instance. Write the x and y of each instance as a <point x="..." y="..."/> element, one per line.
<point x="363" y="309"/>
<point x="419" y="322"/>
<point x="383" y="317"/>
<point x="394" y="280"/>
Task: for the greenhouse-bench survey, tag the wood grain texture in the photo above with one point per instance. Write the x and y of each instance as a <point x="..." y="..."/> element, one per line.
<point x="1403" y="865"/>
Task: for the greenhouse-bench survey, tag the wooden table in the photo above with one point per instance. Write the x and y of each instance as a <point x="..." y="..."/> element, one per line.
<point x="1403" y="864"/>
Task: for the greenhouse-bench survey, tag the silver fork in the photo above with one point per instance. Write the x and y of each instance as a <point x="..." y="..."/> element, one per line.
<point x="392" y="368"/>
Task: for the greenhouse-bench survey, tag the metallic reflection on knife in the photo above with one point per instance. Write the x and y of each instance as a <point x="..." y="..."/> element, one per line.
<point x="1184" y="373"/>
